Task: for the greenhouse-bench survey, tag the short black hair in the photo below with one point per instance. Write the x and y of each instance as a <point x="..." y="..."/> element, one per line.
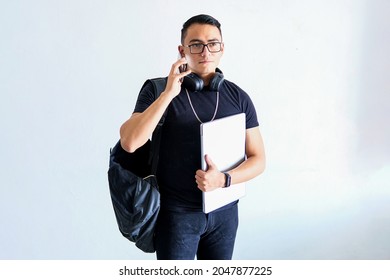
<point x="201" y="19"/>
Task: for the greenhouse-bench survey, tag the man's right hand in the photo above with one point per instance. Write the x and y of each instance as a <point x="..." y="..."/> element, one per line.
<point x="175" y="78"/>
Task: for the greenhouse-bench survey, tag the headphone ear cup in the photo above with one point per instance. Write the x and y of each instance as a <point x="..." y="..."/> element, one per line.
<point x="193" y="82"/>
<point x="216" y="81"/>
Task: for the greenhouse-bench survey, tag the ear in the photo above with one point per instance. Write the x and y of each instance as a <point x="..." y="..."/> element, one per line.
<point x="222" y="47"/>
<point x="181" y="50"/>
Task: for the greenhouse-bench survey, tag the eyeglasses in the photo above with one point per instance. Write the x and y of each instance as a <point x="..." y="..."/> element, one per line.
<point x="198" y="48"/>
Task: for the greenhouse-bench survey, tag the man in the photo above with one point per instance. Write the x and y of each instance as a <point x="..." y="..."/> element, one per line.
<point x="183" y="231"/>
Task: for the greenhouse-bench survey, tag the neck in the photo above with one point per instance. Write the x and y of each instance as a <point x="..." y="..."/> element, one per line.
<point x="207" y="77"/>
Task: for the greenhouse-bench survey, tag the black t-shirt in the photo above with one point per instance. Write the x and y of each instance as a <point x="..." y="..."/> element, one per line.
<point x="180" y="142"/>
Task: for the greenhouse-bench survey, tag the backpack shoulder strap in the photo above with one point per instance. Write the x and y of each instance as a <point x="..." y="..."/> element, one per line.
<point x="159" y="85"/>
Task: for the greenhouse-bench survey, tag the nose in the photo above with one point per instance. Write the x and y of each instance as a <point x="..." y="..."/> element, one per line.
<point x="205" y="50"/>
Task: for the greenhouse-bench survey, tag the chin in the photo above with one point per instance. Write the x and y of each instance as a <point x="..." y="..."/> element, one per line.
<point x="205" y="70"/>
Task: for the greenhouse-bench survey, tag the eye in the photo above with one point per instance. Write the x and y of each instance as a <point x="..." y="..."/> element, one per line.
<point x="197" y="46"/>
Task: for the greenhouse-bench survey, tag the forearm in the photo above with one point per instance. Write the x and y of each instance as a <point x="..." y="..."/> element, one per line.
<point x="247" y="170"/>
<point x="140" y="126"/>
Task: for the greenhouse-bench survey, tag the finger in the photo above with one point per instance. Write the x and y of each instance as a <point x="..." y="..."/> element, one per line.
<point x="185" y="73"/>
<point x="179" y="63"/>
<point x="182" y="61"/>
<point x="175" y="66"/>
<point x="209" y="162"/>
<point x="200" y="173"/>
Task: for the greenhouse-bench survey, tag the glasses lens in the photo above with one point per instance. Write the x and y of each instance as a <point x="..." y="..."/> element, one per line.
<point x="196" y="48"/>
<point x="214" y="47"/>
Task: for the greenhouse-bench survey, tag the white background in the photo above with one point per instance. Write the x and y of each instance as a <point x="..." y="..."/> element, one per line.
<point x="317" y="71"/>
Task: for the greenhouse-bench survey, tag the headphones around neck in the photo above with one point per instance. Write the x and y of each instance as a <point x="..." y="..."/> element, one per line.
<point x="193" y="82"/>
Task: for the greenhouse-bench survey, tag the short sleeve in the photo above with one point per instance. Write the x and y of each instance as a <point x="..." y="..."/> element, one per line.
<point x="250" y="111"/>
<point x="145" y="98"/>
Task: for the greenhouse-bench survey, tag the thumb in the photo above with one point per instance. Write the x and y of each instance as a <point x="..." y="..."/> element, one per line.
<point x="210" y="163"/>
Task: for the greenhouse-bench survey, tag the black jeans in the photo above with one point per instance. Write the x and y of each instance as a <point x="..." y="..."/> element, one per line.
<point x="184" y="235"/>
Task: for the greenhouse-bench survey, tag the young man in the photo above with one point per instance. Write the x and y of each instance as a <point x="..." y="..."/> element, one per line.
<point x="183" y="231"/>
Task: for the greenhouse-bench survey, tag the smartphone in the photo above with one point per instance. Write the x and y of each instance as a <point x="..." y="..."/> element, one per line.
<point x="183" y="68"/>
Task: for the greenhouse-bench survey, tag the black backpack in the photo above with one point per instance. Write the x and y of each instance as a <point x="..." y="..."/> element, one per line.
<point x="133" y="185"/>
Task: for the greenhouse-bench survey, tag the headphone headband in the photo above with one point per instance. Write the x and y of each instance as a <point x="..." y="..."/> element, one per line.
<point x="193" y="82"/>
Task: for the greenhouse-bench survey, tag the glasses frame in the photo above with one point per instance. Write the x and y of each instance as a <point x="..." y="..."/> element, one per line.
<point x="205" y="45"/>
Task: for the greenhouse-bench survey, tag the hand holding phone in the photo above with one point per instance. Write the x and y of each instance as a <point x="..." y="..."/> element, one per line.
<point x="175" y="77"/>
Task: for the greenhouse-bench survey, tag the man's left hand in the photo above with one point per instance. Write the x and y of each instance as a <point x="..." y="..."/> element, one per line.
<point x="211" y="179"/>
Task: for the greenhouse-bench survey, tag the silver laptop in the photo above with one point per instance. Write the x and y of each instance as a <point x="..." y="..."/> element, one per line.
<point x="224" y="141"/>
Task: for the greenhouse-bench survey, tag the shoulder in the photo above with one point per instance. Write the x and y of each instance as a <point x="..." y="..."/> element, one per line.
<point x="231" y="85"/>
<point x="157" y="84"/>
<point x="244" y="102"/>
<point x="154" y="86"/>
<point x="235" y="91"/>
<point x="149" y="92"/>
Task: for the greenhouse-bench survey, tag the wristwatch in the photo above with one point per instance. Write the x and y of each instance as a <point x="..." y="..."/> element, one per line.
<point x="228" y="180"/>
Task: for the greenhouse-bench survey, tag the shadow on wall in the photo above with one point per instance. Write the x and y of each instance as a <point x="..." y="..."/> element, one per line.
<point x="373" y="108"/>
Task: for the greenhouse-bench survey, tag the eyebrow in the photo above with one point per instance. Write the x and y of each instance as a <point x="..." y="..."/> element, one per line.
<point x="200" y="41"/>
